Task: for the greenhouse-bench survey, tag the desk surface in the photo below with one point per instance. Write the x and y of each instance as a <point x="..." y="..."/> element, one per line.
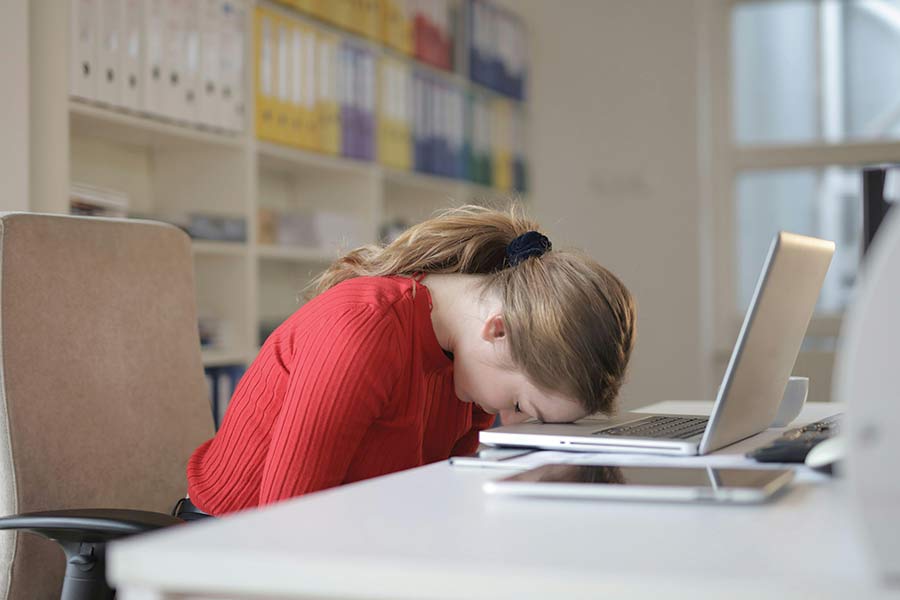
<point x="431" y="533"/>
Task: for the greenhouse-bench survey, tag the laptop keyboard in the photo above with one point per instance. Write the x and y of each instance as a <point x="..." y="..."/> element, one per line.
<point x="672" y="428"/>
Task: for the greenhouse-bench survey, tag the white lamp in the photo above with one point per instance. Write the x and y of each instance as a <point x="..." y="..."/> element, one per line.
<point x="867" y="379"/>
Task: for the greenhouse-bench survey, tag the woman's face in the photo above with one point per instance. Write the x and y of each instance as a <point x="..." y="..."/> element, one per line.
<point x="483" y="373"/>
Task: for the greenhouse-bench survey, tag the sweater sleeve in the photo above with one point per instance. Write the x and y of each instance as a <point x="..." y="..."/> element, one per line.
<point x="468" y="443"/>
<point x="340" y="381"/>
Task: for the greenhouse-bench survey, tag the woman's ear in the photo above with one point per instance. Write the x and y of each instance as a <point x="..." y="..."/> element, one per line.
<point x="494" y="329"/>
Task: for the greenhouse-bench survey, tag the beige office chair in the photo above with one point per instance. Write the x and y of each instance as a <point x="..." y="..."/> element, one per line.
<point x="102" y="392"/>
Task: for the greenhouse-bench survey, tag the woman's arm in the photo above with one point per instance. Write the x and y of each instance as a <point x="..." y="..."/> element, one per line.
<point x="468" y="443"/>
<point x="339" y="384"/>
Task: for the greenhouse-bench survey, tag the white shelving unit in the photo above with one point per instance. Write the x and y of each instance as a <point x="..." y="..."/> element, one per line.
<point x="170" y="169"/>
<point x="294" y="254"/>
<point x="204" y="248"/>
<point x="118" y="126"/>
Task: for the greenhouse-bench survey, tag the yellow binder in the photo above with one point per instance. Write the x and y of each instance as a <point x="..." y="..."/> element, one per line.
<point x="327" y="10"/>
<point x="394" y="114"/>
<point x="284" y="110"/>
<point x="500" y="146"/>
<point x="341" y="13"/>
<point x="371" y="18"/>
<point x="309" y="109"/>
<point x="405" y="33"/>
<point x="296" y="75"/>
<point x="264" y="56"/>
<point x="305" y="6"/>
<point x="385" y="8"/>
<point x="301" y="5"/>
<point x="354" y="16"/>
<point x="396" y="25"/>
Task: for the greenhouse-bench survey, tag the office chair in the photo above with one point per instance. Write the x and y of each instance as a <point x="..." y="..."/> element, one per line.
<point x="102" y="393"/>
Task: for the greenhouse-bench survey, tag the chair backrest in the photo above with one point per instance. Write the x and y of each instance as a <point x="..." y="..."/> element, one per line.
<point x="102" y="392"/>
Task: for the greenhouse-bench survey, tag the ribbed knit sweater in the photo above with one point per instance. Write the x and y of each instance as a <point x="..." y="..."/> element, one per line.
<point x="353" y="385"/>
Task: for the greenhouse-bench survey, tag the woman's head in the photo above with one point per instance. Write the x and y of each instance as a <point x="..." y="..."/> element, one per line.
<point x="567" y="323"/>
<point x="570" y="325"/>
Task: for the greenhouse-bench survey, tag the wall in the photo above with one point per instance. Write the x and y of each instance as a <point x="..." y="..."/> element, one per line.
<point x="614" y="148"/>
<point x="14" y="105"/>
<point x="48" y="22"/>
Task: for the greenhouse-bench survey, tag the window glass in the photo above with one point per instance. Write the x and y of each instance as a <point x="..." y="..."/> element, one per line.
<point x="774" y="72"/>
<point x="872" y="71"/>
<point x="807" y="71"/>
<point x="824" y="203"/>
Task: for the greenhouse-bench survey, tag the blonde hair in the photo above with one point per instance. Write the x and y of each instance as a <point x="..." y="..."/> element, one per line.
<point x="569" y="321"/>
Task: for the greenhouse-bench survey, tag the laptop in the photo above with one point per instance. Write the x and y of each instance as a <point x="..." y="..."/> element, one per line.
<point x="748" y="398"/>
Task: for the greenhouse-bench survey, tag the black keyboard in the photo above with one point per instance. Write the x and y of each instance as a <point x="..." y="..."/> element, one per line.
<point x="661" y="427"/>
<point x="795" y="444"/>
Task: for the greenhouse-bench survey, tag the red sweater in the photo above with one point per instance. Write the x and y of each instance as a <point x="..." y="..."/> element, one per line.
<point x="351" y="386"/>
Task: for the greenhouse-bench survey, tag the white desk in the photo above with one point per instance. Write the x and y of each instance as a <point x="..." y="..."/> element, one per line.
<point x="431" y="533"/>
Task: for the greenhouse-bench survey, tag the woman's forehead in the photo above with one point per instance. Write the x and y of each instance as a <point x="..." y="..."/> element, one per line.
<point x="554" y="406"/>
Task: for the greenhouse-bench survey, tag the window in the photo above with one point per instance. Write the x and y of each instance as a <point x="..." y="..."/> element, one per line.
<point x="799" y="96"/>
<point x="815" y="70"/>
<point x="808" y="77"/>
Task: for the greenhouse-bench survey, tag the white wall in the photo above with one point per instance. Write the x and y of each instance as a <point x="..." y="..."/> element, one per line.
<point x="34" y="125"/>
<point x="14" y="105"/>
<point x="615" y="165"/>
<point x="48" y="24"/>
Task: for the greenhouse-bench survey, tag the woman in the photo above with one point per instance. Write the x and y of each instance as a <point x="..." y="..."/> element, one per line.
<point x="409" y="350"/>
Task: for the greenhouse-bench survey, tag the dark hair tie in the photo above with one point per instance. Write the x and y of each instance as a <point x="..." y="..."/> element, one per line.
<point x="530" y="243"/>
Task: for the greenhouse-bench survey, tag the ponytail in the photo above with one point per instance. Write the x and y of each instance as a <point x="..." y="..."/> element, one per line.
<point x="468" y="239"/>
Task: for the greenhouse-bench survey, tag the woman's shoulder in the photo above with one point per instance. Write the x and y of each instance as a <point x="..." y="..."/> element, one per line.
<point x="357" y="306"/>
<point x="376" y="292"/>
<point x="379" y="297"/>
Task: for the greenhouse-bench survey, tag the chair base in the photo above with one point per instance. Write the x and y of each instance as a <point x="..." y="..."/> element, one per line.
<point x="85" y="572"/>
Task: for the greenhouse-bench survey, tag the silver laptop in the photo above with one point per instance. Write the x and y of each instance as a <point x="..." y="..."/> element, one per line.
<point x="748" y="398"/>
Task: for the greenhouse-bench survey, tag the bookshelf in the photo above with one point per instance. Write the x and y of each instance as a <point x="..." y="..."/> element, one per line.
<point x="206" y="248"/>
<point x="170" y="170"/>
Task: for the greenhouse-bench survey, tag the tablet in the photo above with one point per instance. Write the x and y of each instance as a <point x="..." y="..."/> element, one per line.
<point x="668" y="484"/>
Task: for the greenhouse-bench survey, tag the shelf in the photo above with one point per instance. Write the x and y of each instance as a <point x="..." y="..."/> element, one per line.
<point x="424" y="182"/>
<point x="482" y="191"/>
<point x="113" y="125"/>
<point x="208" y="248"/>
<point x="453" y="189"/>
<point x="287" y="159"/>
<point x="296" y="254"/>
<point x="218" y="358"/>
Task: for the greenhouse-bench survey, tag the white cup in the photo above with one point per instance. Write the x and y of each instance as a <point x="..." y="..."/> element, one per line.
<point x="792" y="402"/>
